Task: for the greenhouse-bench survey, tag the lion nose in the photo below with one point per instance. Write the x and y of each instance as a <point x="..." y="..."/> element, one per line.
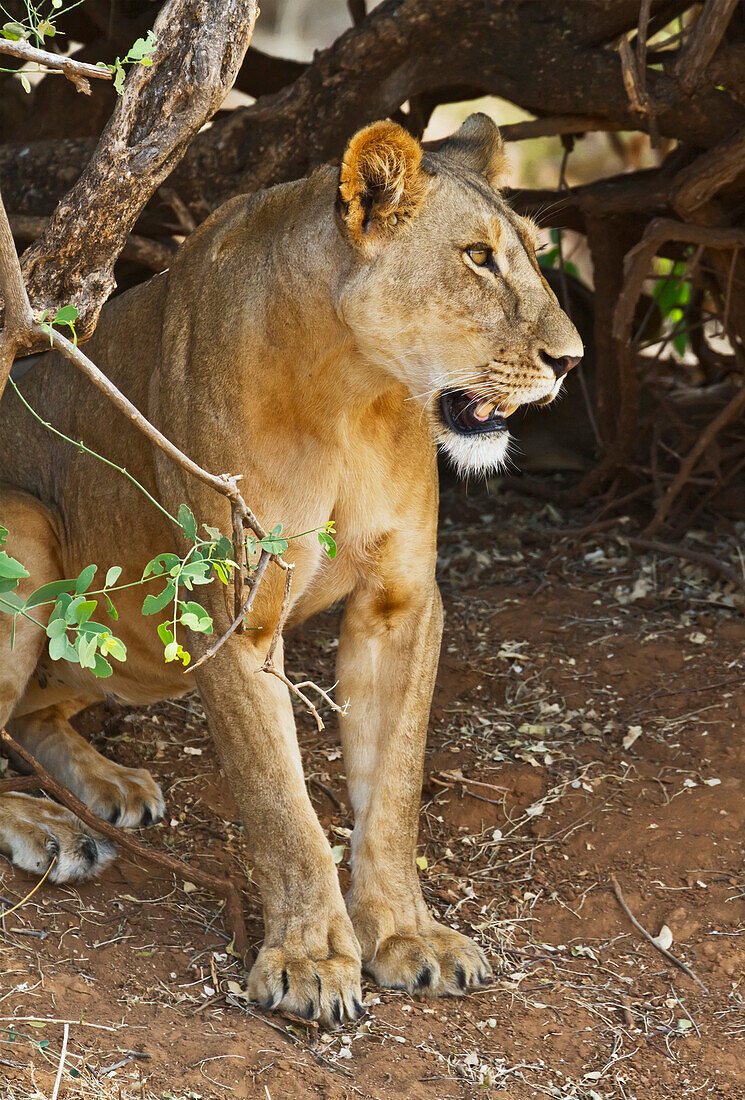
<point x="560" y="366"/>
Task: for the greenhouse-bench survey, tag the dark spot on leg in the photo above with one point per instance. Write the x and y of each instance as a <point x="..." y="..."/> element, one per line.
<point x="147" y="818"/>
<point x="285" y="983"/>
<point x="423" y="978"/>
<point x="358" y="1008"/>
<point x="336" y="1011"/>
<point x="309" y="1010"/>
<point x="318" y="983"/>
<point x="88" y="849"/>
<point x="460" y="976"/>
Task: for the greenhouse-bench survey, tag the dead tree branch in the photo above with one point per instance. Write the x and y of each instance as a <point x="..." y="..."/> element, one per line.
<point x="703" y="43"/>
<point x="200" y="46"/>
<point x="77" y="72"/>
<point x="153" y="255"/>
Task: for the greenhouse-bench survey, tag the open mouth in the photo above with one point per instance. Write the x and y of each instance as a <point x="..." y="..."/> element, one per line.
<point x="466" y="413"/>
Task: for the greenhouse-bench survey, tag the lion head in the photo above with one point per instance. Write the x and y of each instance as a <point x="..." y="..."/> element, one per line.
<point x="445" y="292"/>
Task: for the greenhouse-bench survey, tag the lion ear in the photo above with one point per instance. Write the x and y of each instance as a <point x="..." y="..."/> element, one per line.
<point x="478" y="145"/>
<point x="381" y="183"/>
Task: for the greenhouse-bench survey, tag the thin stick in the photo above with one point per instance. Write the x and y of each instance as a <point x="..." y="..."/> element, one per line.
<point x="62" y="1056"/>
<point x="6" y="912"/>
<point x="650" y="939"/>
<point x="76" y="71"/>
<point x="222" y="887"/>
<point x="253" y="585"/>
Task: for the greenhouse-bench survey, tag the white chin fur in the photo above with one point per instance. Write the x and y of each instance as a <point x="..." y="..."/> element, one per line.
<point x="475" y="454"/>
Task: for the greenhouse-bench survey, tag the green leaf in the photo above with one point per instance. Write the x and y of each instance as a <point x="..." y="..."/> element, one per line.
<point x="213" y="532"/>
<point x="101" y="667"/>
<point x="26" y="85"/>
<point x="273" y="546"/>
<point x="276" y="530"/>
<point x="7" y="584"/>
<point x="328" y="543"/>
<point x="86" y="646"/>
<point x="196" y="572"/>
<point x="165" y="633"/>
<point x="4" y="532"/>
<point x="158" y="565"/>
<point x="49" y="592"/>
<point x="85" y="578"/>
<point x="14" y="32"/>
<point x="196" y="618"/>
<point x="65" y="315"/>
<point x="60" y="648"/>
<point x="152" y="604"/>
<point x="45" y="29"/>
<point x="171" y="652"/>
<point x="9" y="567"/>
<point x="112" y="575"/>
<point x="110" y="609"/>
<point x="84" y="610"/>
<point x="56" y="627"/>
<point x="115" y="647"/>
<point x="119" y="76"/>
<point x="140" y="49"/>
<point x="187" y="523"/>
<point x="14" y="600"/>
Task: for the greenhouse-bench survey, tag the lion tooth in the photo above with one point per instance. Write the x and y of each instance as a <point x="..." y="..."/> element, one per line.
<point x="484" y="409"/>
<point x="508" y="410"/>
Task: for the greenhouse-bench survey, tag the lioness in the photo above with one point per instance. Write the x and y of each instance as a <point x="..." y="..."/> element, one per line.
<point x="320" y="339"/>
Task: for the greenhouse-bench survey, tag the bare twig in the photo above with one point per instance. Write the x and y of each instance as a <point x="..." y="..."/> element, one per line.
<point x="650" y="939"/>
<point x="296" y="689"/>
<point x="77" y="72"/>
<point x="60" y="1068"/>
<point x="222" y="887"/>
<point x="252" y="586"/>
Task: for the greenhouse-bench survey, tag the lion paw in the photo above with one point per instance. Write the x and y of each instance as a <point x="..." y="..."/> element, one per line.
<point x="439" y="961"/>
<point x="36" y="834"/>
<point x="128" y="797"/>
<point x="324" y="989"/>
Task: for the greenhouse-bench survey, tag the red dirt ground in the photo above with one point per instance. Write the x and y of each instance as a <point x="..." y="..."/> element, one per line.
<point x="555" y="654"/>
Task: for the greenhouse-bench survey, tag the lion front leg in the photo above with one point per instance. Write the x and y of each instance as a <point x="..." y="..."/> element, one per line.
<point x="388" y="657"/>
<point x="309" y="963"/>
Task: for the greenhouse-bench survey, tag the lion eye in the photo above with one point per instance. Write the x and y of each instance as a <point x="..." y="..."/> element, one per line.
<point x="479" y="254"/>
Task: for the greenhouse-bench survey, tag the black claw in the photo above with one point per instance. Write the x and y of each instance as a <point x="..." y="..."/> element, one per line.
<point x="310" y="1010"/>
<point x="88" y="850"/>
<point x="52" y="846"/>
<point x="460" y="976"/>
<point x="358" y="1008"/>
<point x="318" y="983"/>
<point x="147" y="818"/>
<point x="285" y="983"/>
<point x="114" y="815"/>
<point x="423" y="978"/>
<point x="336" y="1011"/>
<point x="268" y="1004"/>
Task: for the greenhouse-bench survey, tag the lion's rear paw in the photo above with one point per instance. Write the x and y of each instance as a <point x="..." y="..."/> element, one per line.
<point x="324" y="989"/>
<point x="439" y="961"/>
<point x="36" y="834"/>
<point x="128" y="797"/>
